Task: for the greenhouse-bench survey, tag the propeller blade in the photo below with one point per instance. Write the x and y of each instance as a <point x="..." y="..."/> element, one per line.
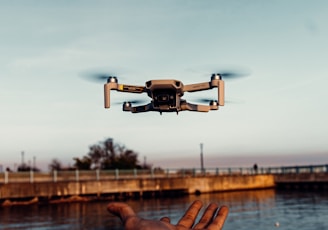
<point x="233" y="74"/>
<point x="207" y="100"/>
<point x="97" y="77"/>
<point x="204" y="100"/>
<point x="101" y="76"/>
<point x="137" y="101"/>
<point x="226" y="73"/>
<point x="132" y="102"/>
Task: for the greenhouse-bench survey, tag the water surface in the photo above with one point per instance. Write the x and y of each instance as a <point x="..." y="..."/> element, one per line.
<point x="260" y="209"/>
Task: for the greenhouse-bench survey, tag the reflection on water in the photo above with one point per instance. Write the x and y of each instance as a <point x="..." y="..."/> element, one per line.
<point x="260" y="209"/>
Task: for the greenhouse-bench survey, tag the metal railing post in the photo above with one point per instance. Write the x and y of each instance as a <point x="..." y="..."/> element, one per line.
<point x="135" y="173"/>
<point x="311" y="169"/>
<point x="297" y="170"/>
<point x="55" y="175"/>
<point x="31" y="176"/>
<point x="116" y="174"/>
<point x="217" y="171"/>
<point x="77" y="175"/>
<point x="6" y="177"/>
<point x="97" y="174"/>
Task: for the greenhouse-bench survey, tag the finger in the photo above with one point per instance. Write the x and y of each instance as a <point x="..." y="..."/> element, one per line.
<point x="189" y="217"/>
<point x="165" y="219"/>
<point x="218" y="221"/>
<point x="207" y="216"/>
<point x="121" y="210"/>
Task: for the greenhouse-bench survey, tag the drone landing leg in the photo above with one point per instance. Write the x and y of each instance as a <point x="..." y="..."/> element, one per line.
<point x="107" y="95"/>
<point x="221" y="93"/>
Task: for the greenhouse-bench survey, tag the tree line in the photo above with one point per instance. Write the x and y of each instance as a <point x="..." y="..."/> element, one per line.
<point x="105" y="155"/>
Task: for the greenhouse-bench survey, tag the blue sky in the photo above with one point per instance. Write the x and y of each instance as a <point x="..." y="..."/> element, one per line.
<point x="48" y="111"/>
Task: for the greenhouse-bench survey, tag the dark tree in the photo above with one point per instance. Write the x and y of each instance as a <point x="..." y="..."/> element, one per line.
<point x="26" y="168"/>
<point x="107" y="155"/>
<point x="83" y="164"/>
<point x="55" y="165"/>
<point x="23" y="168"/>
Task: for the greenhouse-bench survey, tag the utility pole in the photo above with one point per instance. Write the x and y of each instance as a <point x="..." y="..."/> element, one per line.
<point x="201" y="158"/>
<point x="34" y="162"/>
<point x="22" y="158"/>
<point x="145" y="161"/>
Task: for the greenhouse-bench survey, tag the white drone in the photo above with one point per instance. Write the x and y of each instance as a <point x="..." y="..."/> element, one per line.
<point x="166" y="95"/>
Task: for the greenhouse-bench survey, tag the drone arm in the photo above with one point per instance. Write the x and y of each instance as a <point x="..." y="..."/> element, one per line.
<point x="221" y="93"/>
<point x="194" y="107"/>
<point x="107" y="88"/>
<point x="139" y="109"/>
<point x="197" y="87"/>
<point x="120" y="87"/>
<point x="130" y="88"/>
<point x="220" y="85"/>
<point x="214" y="83"/>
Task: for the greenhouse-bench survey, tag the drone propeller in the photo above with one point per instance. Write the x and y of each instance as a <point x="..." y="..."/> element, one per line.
<point x="225" y="74"/>
<point x="206" y="100"/>
<point x="231" y="74"/>
<point x="98" y="77"/>
<point x="131" y="101"/>
<point x="101" y="76"/>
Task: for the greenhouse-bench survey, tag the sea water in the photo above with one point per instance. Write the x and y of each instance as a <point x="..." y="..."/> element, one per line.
<point x="259" y="209"/>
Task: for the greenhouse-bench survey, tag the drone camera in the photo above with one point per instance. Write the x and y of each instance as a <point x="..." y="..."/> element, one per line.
<point x="164" y="97"/>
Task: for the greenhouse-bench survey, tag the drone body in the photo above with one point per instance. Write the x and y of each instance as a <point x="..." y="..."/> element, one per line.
<point x="166" y="95"/>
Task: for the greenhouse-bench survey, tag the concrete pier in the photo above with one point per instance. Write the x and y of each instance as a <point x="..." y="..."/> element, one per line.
<point x="187" y="185"/>
<point x="140" y="183"/>
<point x="302" y="181"/>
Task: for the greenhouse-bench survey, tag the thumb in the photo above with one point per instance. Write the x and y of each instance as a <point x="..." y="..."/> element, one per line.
<point x="121" y="210"/>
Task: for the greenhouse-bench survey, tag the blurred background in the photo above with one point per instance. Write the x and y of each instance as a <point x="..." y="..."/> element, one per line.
<point x="277" y="114"/>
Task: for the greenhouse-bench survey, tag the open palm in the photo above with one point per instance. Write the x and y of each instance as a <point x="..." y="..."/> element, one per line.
<point x="212" y="219"/>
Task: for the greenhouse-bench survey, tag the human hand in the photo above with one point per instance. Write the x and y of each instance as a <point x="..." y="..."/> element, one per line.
<point x="210" y="220"/>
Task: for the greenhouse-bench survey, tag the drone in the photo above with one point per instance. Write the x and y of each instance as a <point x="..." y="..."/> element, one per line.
<point x="166" y="95"/>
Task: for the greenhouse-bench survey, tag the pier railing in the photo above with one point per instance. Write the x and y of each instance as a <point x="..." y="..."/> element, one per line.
<point x="92" y="175"/>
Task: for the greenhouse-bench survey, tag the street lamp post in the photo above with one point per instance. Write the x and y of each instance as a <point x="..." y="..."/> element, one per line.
<point x="201" y="158"/>
<point x="22" y="153"/>
<point x="34" y="162"/>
